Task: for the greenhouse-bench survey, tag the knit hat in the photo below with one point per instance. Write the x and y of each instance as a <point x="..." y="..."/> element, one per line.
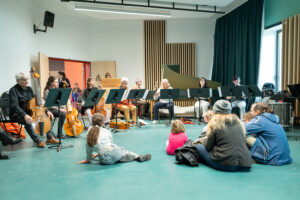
<point x="222" y="107"/>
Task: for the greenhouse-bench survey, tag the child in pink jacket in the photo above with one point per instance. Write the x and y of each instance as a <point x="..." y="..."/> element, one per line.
<point x="177" y="137"/>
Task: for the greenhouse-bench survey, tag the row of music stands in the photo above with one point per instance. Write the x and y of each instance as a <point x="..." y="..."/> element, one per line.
<point x="59" y="97"/>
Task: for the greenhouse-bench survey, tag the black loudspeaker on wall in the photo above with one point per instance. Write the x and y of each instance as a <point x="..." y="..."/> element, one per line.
<point x="49" y="19"/>
<point x="48" y="22"/>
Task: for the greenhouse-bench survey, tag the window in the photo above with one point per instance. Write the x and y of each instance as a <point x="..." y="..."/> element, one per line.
<point x="270" y="58"/>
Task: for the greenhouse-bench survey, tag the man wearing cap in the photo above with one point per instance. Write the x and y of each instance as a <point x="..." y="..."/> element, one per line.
<point x="125" y="105"/>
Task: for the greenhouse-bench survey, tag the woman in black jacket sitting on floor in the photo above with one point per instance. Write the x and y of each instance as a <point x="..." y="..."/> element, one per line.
<point x="225" y="148"/>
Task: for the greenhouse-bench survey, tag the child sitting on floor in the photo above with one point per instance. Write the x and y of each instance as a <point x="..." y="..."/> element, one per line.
<point x="99" y="141"/>
<point x="207" y="117"/>
<point x="203" y="137"/>
<point x="177" y="137"/>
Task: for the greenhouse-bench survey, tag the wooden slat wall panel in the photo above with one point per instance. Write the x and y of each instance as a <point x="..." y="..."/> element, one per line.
<point x="158" y="53"/>
<point x="154" y="35"/>
<point x="290" y="66"/>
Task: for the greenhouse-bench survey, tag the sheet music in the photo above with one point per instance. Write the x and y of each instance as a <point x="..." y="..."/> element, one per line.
<point x="145" y="94"/>
<point x="107" y="95"/>
<point x="210" y="92"/>
<point x="220" y="92"/>
<point x="188" y="93"/>
<point x="125" y="95"/>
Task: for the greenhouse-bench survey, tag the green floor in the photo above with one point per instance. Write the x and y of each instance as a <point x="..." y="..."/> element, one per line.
<point x="34" y="173"/>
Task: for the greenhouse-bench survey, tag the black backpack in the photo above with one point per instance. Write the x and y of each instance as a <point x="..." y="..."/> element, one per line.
<point x="187" y="154"/>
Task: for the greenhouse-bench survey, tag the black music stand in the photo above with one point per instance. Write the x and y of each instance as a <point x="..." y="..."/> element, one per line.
<point x="198" y="93"/>
<point x="233" y="91"/>
<point x="254" y="91"/>
<point x="58" y="97"/>
<point x="94" y="98"/>
<point x="170" y="94"/>
<point x="150" y="95"/>
<point x="135" y="94"/>
<point x="295" y="90"/>
<point x="115" y="96"/>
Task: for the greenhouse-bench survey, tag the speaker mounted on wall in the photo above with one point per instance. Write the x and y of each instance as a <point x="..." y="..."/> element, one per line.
<point x="48" y="22"/>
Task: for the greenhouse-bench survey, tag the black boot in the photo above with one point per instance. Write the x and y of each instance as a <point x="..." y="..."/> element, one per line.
<point x="8" y="139"/>
<point x="3" y="156"/>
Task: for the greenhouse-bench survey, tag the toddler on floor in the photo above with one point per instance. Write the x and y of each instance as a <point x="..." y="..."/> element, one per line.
<point x="177" y="137"/>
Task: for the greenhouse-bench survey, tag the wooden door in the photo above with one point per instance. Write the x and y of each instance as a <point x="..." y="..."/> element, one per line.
<point x="43" y="71"/>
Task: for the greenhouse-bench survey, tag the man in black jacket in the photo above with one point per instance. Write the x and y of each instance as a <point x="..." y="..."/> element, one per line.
<point x="19" y="95"/>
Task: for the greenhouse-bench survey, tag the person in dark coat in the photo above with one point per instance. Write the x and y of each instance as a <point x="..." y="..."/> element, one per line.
<point x="225" y="148"/>
<point x="63" y="81"/>
<point x="270" y="145"/>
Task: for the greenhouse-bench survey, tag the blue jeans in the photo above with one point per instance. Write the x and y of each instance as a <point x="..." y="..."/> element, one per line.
<point x="114" y="154"/>
<point x="205" y="157"/>
<point x="159" y="105"/>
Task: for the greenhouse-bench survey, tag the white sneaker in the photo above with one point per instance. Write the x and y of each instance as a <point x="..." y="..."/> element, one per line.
<point x="154" y="122"/>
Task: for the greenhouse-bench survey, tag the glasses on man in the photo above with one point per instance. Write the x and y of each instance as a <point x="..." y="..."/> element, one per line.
<point x="24" y="79"/>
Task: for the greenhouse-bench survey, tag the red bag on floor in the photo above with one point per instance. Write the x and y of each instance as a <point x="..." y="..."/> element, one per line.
<point x="14" y="129"/>
<point x="186" y="121"/>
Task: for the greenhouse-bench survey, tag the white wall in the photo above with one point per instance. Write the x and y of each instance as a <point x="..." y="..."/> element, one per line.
<point x="89" y="40"/>
<point x="121" y="41"/>
<point x="16" y="40"/>
<point x="70" y="38"/>
<point x="199" y="31"/>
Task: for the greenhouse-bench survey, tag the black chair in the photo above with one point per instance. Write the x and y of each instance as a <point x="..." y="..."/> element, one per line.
<point x="268" y="89"/>
<point x="4" y="113"/>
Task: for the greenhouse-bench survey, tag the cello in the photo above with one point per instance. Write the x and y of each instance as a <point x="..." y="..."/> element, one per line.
<point x="42" y="123"/>
<point x="73" y="126"/>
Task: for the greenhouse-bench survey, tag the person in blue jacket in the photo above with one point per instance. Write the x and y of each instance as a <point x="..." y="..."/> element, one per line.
<point x="271" y="145"/>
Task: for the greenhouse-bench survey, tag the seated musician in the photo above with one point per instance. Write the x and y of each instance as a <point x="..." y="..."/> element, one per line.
<point x="238" y="102"/>
<point x="144" y="105"/>
<point x="204" y="104"/>
<point x="163" y="102"/>
<point x="91" y="82"/>
<point x="63" y="80"/>
<point x="51" y="84"/>
<point x="19" y="95"/>
<point x="126" y="106"/>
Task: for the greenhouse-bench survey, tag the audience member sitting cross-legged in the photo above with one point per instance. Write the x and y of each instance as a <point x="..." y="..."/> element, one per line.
<point x="225" y="148"/>
<point x="269" y="144"/>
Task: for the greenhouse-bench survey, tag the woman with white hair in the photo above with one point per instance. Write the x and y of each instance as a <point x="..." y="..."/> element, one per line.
<point x="126" y="106"/>
<point x="163" y="103"/>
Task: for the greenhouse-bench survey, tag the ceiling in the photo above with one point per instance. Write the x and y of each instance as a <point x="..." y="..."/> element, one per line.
<point x="57" y="6"/>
